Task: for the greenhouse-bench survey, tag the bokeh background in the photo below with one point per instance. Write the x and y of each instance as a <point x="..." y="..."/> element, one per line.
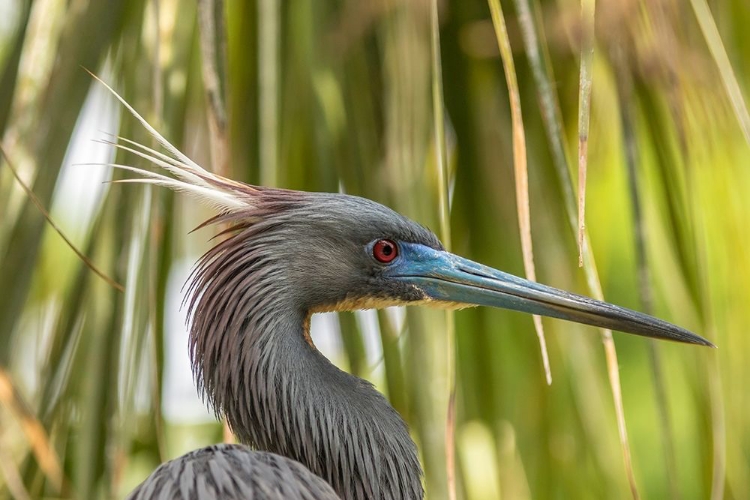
<point x="405" y="102"/>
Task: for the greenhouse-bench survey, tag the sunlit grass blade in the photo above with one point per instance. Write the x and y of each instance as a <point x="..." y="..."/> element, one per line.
<point x="715" y="392"/>
<point x="613" y="370"/>
<point x="716" y="46"/>
<point x="520" y="167"/>
<point x="535" y="48"/>
<point x="584" y="113"/>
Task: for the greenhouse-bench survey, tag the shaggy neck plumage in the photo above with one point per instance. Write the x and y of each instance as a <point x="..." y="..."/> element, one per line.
<point x="254" y="362"/>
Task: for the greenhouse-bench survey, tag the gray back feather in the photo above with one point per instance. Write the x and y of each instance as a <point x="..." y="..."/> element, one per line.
<point x="232" y="472"/>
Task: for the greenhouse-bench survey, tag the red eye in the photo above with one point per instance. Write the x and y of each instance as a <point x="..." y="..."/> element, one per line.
<point x="384" y="251"/>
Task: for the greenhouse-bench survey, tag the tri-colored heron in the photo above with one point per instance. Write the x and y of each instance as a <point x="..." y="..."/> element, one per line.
<point x="287" y="255"/>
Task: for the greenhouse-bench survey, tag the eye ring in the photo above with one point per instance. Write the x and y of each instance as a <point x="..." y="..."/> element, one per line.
<point x="384" y="251"/>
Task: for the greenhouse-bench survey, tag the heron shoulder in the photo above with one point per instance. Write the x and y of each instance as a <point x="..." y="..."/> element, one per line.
<point x="232" y="472"/>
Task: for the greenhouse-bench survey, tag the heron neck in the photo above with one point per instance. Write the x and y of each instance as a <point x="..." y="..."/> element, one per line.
<point x="292" y="401"/>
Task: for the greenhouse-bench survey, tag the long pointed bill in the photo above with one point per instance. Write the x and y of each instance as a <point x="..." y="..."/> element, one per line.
<point x="447" y="277"/>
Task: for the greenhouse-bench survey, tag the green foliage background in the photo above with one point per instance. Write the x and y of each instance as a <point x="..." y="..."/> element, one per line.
<point x="338" y="95"/>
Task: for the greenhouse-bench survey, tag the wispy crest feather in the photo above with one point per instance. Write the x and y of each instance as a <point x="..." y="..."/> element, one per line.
<point x="221" y="193"/>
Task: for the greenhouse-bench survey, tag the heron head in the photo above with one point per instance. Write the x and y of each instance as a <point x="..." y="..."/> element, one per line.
<point x="333" y="252"/>
<point x="338" y="252"/>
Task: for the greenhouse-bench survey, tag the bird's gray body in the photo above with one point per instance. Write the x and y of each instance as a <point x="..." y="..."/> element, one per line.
<point x="232" y="472"/>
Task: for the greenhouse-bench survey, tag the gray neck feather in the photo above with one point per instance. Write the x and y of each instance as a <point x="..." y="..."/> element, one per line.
<point x="279" y="394"/>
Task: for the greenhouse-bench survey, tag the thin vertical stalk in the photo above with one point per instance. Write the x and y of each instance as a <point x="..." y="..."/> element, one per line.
<point x="718" y="429"/>
<point x="156" y="300"/>
<point x="213" y="52"/>
<point x="553" y="122"/>
<point x="132" y="329"/>
<point x="613" y="369"/>
<point x="268" y="89"/>
<point x="520" y="167"/>
<point x="438" y="116"/>
<point x="584" y="112"/>
<point x="439" y="128"/>
<point x="156" y="83"/>
<point x="160" y="259"/>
